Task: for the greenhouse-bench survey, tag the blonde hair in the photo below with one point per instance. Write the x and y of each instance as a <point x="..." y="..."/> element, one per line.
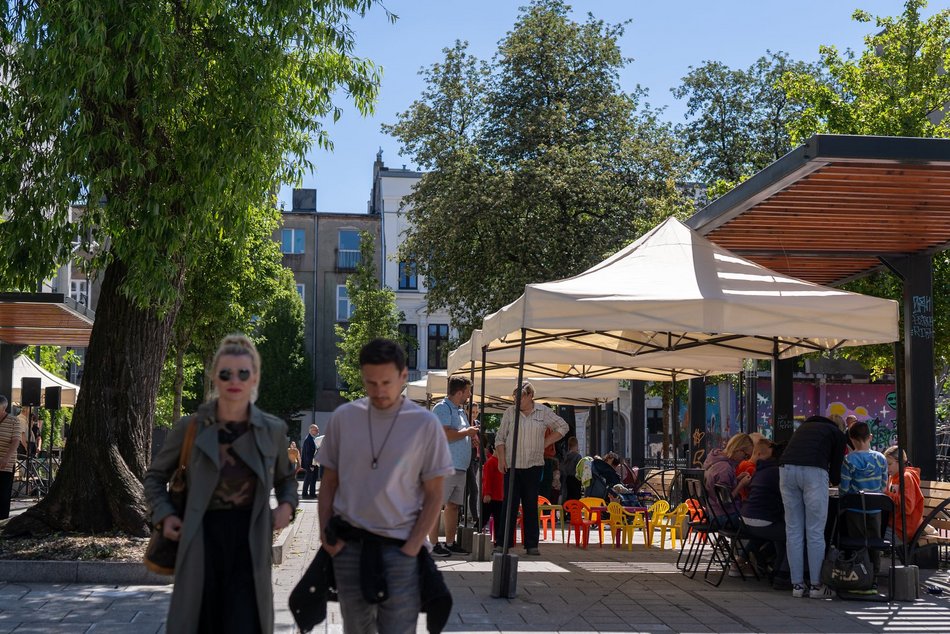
<point x="237" y="345"/>
<point x="737" y="442"/>
<point x="836" y="418"/>
<point x="891" y="452"/>
<point x="526" y="388"/>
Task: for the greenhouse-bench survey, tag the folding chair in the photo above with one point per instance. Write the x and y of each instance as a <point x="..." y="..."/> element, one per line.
<point x="701" y="529"/>
<point x="864" y="501"/>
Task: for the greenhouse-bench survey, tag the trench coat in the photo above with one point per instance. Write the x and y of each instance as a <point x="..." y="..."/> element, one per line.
<point x="263" y="448"/>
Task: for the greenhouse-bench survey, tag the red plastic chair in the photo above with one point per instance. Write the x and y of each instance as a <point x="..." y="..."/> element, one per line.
<point x="579" y="515"/>
<point x="546" y="519"/>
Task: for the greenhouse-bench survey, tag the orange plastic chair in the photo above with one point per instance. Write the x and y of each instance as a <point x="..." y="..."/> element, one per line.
<point x="546" y="519"/>
<point x="595" y="516"/>
<point x="579" y="515"/>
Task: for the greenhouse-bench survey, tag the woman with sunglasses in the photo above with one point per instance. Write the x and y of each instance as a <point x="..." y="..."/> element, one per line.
<point x="223" y="568"/>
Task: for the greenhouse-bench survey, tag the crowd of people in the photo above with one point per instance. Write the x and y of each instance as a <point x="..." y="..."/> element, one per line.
<point x="781" y="492"/>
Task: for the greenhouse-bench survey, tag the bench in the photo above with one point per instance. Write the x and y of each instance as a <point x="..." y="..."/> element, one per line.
<point x="925" y="548"/>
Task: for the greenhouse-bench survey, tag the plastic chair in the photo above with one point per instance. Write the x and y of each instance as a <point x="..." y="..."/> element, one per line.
<point x="616" y="520"/>
<point x="595" y="518"/>
<point x="672" y="523"/>
<point x="579" y="515"/>
<point x="546" y="519"/>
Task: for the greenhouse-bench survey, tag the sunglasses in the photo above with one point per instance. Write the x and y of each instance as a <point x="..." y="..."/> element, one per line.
<point x="243" y="374"/>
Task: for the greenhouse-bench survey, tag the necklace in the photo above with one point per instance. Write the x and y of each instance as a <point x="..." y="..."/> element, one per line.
<point x="369" y="424"/>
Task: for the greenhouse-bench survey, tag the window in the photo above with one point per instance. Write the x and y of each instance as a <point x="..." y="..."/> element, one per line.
<point x="410" y="337"/>
<point x="654" y="420"/>
<point x="348" y="249"/>
<point x="344" y="307"/>
<point x="408" y="280"/>
<point x="79" y="291"/>
<point x="292" y="241"/>
<point x="438" y="348"/>
<point x="300" y="290"/>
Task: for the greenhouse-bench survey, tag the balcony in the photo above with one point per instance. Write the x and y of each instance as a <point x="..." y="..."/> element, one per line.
<point x="347" y="259"/>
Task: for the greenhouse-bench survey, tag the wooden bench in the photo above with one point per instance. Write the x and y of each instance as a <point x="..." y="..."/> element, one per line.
<point x="924" y="547"/>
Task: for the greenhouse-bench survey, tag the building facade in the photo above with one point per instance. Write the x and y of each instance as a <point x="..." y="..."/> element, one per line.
<point x="433" y="332"/>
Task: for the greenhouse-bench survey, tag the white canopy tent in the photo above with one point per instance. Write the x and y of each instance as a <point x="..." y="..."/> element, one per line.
<point x="25" y="367"/>
<point x="673" y="291"/>
<point x="570" y="360"/>
<point x="498" y="390"/>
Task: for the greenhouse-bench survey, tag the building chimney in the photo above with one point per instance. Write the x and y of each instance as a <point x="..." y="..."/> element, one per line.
<point x="305" y="200"/>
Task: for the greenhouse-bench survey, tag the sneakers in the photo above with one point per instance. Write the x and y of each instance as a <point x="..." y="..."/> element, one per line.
<point x="439" y="550"/>
<point x="455" y="549"/>
<point x="740" y="570"/>
<point x="532" y="552"/>
<point x="821" y="591"/>
<point x="799" y="591"/>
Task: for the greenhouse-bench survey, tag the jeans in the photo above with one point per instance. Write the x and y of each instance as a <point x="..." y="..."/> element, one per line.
<point x="397" y="614"/>
<point x="805" y="496"/>
<point x="527" y="482"/>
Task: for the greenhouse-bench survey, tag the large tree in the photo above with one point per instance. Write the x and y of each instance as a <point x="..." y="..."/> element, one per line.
<point x="539" y="164"/>
<point x="374" y="314"/>
<point x="169" y="121"/>
<point x="897" y="86"/>
<point x="737" y="119"/>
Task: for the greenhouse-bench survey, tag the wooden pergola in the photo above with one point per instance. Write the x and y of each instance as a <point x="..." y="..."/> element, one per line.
<point x="28" y="319"/>
<point x="838" y="208"/>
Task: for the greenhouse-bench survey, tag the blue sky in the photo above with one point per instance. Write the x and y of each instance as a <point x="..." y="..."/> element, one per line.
<point x="664" y="38"/>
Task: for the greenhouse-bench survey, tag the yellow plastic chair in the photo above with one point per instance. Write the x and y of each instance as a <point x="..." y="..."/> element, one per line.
<point x="596" y="518"/>
<point x="672" y="523"/>
<point x="616" y="520"/>
<point x="649" y="520"/>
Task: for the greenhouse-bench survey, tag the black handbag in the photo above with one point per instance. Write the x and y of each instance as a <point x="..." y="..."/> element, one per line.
<point x="847" y="571"/>
<point x="161" y="552"/>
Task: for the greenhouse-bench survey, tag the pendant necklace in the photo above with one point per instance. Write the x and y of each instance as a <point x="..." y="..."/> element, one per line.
<point x="369" y="423"/>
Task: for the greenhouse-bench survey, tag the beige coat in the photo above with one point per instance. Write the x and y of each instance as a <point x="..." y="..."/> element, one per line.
<point x="263" y="449"/>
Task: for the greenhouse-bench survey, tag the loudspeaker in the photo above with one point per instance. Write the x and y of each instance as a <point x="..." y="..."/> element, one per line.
<point x="30" y="391"/>
<point x="54" y="396"/>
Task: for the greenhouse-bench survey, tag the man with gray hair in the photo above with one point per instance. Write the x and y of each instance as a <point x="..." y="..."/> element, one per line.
<point x="539" y="427"/>
<point x="9" y="440"/>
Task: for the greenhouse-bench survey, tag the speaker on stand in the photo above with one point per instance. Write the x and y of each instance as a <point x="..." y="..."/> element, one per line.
<point x="53" y="401"/>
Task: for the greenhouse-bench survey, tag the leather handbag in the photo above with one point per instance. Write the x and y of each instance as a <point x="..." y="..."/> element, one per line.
<point x="161" y="552"/>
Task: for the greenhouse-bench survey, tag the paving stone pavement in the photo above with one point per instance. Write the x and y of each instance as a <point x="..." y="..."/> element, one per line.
<point x="567" y="589"/>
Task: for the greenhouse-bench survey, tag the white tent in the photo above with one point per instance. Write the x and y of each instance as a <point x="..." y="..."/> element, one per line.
<point x="498" y="390"/>
<point x="674" y="291"/>
<point x="24" y="367"/>
<point x="562" y="358"/>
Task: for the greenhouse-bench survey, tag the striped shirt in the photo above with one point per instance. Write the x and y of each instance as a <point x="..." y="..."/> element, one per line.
<point x="9" y="433"/>
<point x="530" y="436"/>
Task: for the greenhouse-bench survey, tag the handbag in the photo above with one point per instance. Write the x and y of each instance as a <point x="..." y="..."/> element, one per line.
<point x="847" y="571"/>
<point x="161" y="552"/>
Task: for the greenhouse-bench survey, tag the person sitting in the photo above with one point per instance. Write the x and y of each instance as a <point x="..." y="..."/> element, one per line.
<point x="863" y="470"/>
<point x="763" y="512"/>
<point x="720" y="468"/>
<point x="913" y="508"/>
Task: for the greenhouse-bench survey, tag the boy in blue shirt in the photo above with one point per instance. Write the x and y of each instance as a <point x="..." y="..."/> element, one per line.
<point x="864" y="469"/>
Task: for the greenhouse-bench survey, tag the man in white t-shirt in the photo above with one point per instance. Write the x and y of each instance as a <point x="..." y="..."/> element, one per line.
<point x="384" y="463"/>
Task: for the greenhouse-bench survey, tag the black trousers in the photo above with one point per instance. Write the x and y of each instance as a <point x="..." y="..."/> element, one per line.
<point x="527" y="483"/>
<point x="310" y="480"/>
<point x="228" y="600"/>
<point x="6" y="493"/>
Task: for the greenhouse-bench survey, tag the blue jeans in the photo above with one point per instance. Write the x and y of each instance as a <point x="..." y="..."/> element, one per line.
<point x="805" y="496"/>
<point x="397" y="614"/>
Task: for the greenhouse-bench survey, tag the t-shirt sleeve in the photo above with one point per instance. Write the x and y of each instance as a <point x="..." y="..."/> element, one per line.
<point x="437" y="461"/>
<point x="444" y="414"/>
<point x="330" y="447"/>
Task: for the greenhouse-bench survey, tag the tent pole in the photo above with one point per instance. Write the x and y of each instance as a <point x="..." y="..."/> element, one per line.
<point x="504" y="567"/>
<point x="901" y="410"/>
<point x="482" y="438"/>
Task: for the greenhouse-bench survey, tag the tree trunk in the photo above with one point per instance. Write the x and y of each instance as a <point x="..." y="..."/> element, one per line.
<point x="667" y="418"/>
<point x="99" y="485"/>
<point x="179" y="380"/>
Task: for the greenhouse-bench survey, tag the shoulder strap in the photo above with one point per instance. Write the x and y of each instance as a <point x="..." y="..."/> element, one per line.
<point x="189" y="442"/>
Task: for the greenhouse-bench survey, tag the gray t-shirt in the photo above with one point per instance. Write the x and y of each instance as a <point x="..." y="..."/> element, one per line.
<point x="387" y="500"/>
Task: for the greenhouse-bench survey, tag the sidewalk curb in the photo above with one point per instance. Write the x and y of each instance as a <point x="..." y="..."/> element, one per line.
<point x="104" y="572"/>
<point x="284" y="538"/>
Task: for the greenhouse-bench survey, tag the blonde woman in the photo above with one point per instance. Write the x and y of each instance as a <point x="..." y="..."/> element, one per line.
<point x="720" y="468"/>
<point x="223" y="569"/>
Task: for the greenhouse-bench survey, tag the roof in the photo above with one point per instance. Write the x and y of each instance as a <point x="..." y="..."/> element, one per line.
<point x="829" y="210"/>
<point x="44" y="319"/>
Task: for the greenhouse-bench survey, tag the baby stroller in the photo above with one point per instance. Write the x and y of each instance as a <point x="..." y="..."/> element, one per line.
<point x="603" y="477"/>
